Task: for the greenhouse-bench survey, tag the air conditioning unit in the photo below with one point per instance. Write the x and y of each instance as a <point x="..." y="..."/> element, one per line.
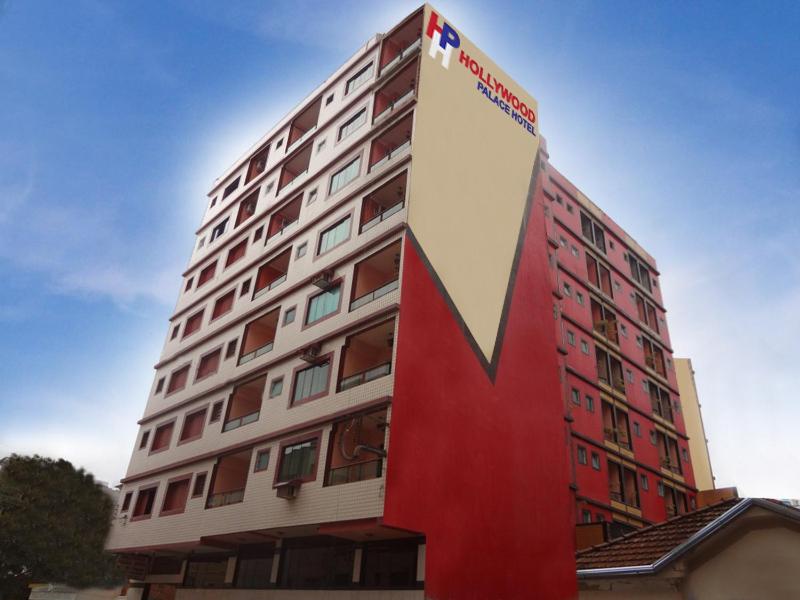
<point x="310" y="354"/>
<point x="288" y="490"/>
<point x="323" y="280"/>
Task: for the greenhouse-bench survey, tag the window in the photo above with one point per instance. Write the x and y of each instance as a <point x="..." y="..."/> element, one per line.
<point x="193" y="323"/>
<point x="587" y="516"/>
<point x="236" y="253"/>
<point x="231" y="188"/>
<point x="206" y="274"/>
<point x="223" y="305"/>
<point x="570" y="338"/>
<point x="231" y="350"/>
<point x="576" y="397"/>
<point x="660" y="402"/>
<point x="312" y="195"/>
<point x="244" y="406"/>
<point x="584" y="347"/>
<point x="646" y="312"/>
<point x="609" y="370"/>
<point x="276" y="387"/>
<point x="193" y="426"/>
<point x="324" y="304"/>
<point x="247" y="208"/>
<point x="199" y="485"/>
<point x="660" y="488"/>
<point x="390" y="564"/>
<point x="685" y="454"/>
<point x="262" y="461"/>
<point x="570" y="208"/>
<point x="299" y="461"/>
<point x="639" y="272"/>
<point x="668" y="452"/>
<point x="279" y="144"/>
<point x="308" y="564"/>
<point x="188" y="284"/>
<point x="311" y="382"/>
<point x="145" y="500"/>
<point x="593" y="232"/>
<point x="143" y="441"/>
<point x="328" y="100"/>
<point x="159" y="385"/>
<point x="579" y="298"/>
<point x="589" y="404"/>
<point x="162" y="437"/>
<point x="344" y="175"/>
<point x="205" y="572"/>
<point x="245" y="288"/>
<point x="175" y="497"/>
<point x="575" y="251"/>
<point x="213" y="202"/>
<point x="216" y="412"/>
<point x="259" y="336"/>
<point x="285" y="217"/>
<point x="288" y="315"/>
<point x="599" y="276"/>
<point x="629" y="375"/>
<point x="258" y="233"/>
<point x="645" y="482"/>
<point x="175" y="331"/>
<point x="582" y="459"/>
<point x="358" y="79"/>
<point x="567" y="289"/>
<point x="218" y="230"/>
<point x="126" y="502"/>
<point x="595" y="461"/>
<point x="654" y="357"/>
<point x="177" y="381"/>
<point x="352" y="124"/>
<point x="258" y="164"/>
<point x="637" y="430"/>
<point x="301" y="250"/>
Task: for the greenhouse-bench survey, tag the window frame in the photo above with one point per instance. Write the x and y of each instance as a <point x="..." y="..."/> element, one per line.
<point x="176" y="511"/>
<point x="301" y="439"/>
<point x="322" y="359"/>
<point x="192" y="413"/>
<point x="145" y="488"/>
<point x="336" y="282"/>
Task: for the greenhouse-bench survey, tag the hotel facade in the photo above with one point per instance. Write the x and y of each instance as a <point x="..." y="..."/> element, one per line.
<point x="407" y="356"/>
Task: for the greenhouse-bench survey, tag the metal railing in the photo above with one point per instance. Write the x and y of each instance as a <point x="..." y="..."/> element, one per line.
<point x="395" y="104"/>
<point x="391" y="154"/>
<point x="358" y="472"/>
<point x="375" y="294"/>
<point x="239" y="421"/>
<point x="273" y="284"/>
<point x="260" y="351"/>
<point x="282" y="229"/>
<point x="225" y="498"/>
<point x="365" y="376"/>
<point x="302" y="137"/>
<point x="403" y="53"/>
<point x="394" y="209"/>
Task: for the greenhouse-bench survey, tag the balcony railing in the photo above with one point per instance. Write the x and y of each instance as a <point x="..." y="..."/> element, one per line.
<point x="225" y="498"/>
<point x="391" y="154"/>
<point x="403" y="53"/>
<point x="271" y="286"/>
<point x="358" y="472"/>
<point x="282" y="229"/>
<point x="374" y="294"/>
<point x="293" y="179"/>
<point x="245" y="358"/>
<point x="395" y="104"/>
<point x="365" y="376"/>
<point x="239" y="421"/>
<point x="394" y="209"/>
<point x="301" y="138"/>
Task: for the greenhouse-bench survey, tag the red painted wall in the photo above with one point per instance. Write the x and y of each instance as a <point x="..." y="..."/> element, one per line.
<point x="481" y="468"/>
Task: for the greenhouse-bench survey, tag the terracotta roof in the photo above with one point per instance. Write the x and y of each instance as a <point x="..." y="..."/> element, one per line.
<point x="645" y="546"/>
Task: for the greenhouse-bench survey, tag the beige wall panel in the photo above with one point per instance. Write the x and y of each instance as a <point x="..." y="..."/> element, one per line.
<point x="468" y="223"/>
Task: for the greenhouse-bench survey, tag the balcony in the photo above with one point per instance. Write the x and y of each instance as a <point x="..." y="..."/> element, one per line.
<point x="284" y="218"/>
<point x="259" y="337"/>
<point x="396" y="92"/>
<point x="387" y="200"/>
<point x="244" y="406"/>
<point x="367" y="356"/>
<point x="229" y="479"/>
<point x="272" y="274"/>
<point x="376" y="276"/>
<point x="296" y="166"/>
<point x="392" y="142"/>
<point x="604" y="322"/>
<point x="357" y="449"/>
<point x="304" y="123"/>
<point x="247" y="208"/>
<point x="400" y="43"/>
<point x="257" y="165"/>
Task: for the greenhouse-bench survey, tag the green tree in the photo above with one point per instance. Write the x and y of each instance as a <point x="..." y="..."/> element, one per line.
<point x="54" y="520"/>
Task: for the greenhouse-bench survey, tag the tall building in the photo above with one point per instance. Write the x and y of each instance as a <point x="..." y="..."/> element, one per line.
<point x="693" y="417"/>
<point x="377" y="375"/>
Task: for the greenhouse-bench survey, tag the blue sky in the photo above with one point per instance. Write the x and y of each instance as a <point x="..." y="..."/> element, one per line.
<point x="681" y="120"/>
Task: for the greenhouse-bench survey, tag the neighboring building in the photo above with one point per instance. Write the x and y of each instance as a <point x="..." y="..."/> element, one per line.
<point x="793" y="502"/>
<point x="367" y="376"/>
<point x="739" y="548"/>
<point x="693" y="418"/>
